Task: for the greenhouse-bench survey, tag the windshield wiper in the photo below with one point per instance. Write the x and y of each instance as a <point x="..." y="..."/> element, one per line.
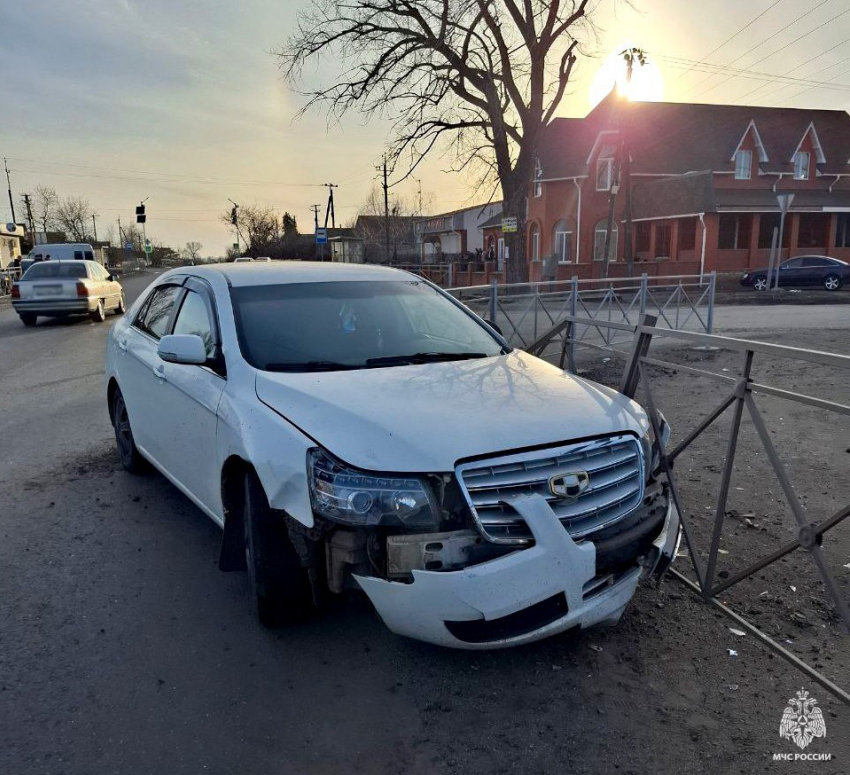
<point x="392" y="360"/>
<point x="310" y="366"/>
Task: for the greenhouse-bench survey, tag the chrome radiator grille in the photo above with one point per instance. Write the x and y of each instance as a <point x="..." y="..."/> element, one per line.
<point x="614" y="464"/>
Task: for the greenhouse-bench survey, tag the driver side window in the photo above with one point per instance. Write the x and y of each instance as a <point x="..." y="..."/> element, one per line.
<point x="156" y="314"/>
<point x="194" y="318"/>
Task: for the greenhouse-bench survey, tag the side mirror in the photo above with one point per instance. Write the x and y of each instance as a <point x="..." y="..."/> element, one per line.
<point x="113" y="278"/>
<point x="494" y="326"/>
<point x="183" y="348"/>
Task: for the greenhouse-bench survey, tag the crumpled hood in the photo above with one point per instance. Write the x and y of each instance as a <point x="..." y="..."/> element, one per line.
<point x="424" y="418"/>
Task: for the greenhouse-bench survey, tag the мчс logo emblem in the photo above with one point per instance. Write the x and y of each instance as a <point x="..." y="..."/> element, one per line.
<point x="802" y="722"/>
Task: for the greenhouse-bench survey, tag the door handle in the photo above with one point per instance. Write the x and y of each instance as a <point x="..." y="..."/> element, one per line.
<point x="159" y="371"/>
<point x="122" y="345"/>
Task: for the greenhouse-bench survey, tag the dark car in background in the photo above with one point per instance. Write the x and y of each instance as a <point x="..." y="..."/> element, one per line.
<point x="801" y="272"/>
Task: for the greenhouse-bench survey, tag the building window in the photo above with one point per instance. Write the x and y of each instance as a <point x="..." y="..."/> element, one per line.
<point x="687" y="233"/>
<point x="643" y="233"/>
<point x="842" y="232"/>
<point x="599" y="241"/>
<point x="535" y="242"/>
<point x="743" y="165"/>
<point x="734" y="232"/>
<point x="538" y="188"/>
<point x="814" y="230"/>
<point x="767" y="223"/>
<point x="605" y="169"/>
<point x="801" y="165"/>
<point x="538" y="174"/>
<point x="563" y="243"/>
<point x="663" y="233"/>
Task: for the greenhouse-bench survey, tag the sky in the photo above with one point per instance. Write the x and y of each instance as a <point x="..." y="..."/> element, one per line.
<point x="182" y="101"/>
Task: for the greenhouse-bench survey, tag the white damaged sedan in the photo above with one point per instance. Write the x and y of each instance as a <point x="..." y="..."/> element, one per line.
<point x="355" y="426"/>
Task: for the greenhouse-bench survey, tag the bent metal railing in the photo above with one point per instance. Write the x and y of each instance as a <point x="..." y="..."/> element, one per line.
<point x="740" y="399"/>
<point x="523" y="311"/>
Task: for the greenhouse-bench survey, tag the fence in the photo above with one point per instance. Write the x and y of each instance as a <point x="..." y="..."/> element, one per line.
<point x="739" y="398"/>
<point x="524" y="311"/>
<point x="7" y="278"/>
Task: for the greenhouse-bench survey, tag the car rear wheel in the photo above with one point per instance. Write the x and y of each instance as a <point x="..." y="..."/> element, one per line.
<point x="280" y="585"/>
<point x="99" y="313"/>
<point x="131" y="458"/>
<point x="28" y="319"/>
<point x="832" y="282"/>
<point x="760" y="282"/>
<point x="121" y="307"/>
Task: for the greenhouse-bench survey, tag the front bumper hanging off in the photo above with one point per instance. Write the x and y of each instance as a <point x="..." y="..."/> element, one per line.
<point x="521" y="597"/>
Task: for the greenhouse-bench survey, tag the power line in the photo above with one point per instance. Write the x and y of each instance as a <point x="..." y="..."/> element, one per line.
<point x="782" y="48"/>
<point x="817" y="72"/>
<point x="758" y="45"/>
<point x="794" y="96"/>
<point x="731" y="38"/>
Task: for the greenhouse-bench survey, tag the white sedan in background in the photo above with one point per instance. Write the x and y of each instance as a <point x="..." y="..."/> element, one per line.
<point x="355" y="426"/>
<point x="63" y="288"/>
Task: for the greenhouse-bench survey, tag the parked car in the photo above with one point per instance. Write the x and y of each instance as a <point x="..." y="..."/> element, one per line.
<point x="62" y="288"/>
<point x="242" y="259"/>
<point x="800" y="272"/>
<point x="351" y="425"/>
<point x="59" y="251"/>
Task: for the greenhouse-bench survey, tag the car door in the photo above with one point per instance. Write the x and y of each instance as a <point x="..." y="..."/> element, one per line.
<point x="140" y="369"/>
<point x="188" y="398"/>
<point x="815" y="268"/>
<point x="791" y="272"/>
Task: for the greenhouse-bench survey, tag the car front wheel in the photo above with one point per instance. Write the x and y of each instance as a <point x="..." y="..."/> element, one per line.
<point x="832" y="282"/>
<point x="760" y="283"/>
<point x="131" y="458"/>
<point x="28" y="319"/>
<point x="280" y="585"/>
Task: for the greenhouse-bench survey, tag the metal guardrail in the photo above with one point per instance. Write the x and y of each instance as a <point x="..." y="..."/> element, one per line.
<point x="523" y="311"/>
<point x="740" y="399"/>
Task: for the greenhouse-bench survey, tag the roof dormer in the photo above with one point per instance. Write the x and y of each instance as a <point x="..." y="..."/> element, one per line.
<point x="751" y="139"/>
<point x="814" y="143"/>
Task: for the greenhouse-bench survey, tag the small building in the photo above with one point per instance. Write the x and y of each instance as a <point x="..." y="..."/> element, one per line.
<point x="455" y="235"/>
<point x="347" y="250"/>
<point x="10" y="243"/>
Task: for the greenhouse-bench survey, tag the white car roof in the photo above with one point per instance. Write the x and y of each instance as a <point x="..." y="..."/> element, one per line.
<point x="278" y="272"/>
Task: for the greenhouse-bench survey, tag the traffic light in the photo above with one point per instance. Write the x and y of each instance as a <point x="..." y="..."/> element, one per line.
<point x="140" y="214"/>
<point x="233" y="218"/>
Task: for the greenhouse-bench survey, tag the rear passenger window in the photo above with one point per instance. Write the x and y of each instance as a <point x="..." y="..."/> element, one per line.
<point x="89" y="255"/>
<point x="193" y="318"/>
<point x="156" y="313"/>
<point x="78" y="255"/>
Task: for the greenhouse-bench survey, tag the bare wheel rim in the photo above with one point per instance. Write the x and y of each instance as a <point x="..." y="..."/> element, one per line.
<point x="831" y="283"/>
<point x="760" y="284"/>
<point x="123" y="433"/>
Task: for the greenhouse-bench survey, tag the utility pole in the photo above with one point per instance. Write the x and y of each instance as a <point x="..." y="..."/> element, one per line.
<point x="386" y="212"/>
<point x="419" y="208"/>
<point x="30" y="219"/>
<point x="9" y="182"/>
<point x="94" y="225"/>
<point x="630" y="55"/>
<point x="330" y="209"/>
<point x="315" y="209"/>
<point x="234" y="219"/>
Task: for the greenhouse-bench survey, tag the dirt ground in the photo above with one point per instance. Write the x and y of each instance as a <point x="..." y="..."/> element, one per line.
<point x="124" y="650"/>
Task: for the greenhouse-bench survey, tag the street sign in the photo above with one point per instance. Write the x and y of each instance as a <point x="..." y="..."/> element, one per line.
<point x="128" y="246"/>
<point x="509" y="225"/>
<point x="321" y="236"/>
<point x="148" y="247"/>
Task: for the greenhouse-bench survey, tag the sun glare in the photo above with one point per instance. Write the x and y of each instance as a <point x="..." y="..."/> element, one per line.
<point x="646" y="86"/>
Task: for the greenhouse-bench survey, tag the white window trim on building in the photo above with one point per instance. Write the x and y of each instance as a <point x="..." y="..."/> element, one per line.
<point x="599" y="241"/>
<point x="609" y="172"/>
<point x="563" y="243"/>
<point x="802" y="162"/>
<point x="535" y="242"/>
<point x="743" y="165"/>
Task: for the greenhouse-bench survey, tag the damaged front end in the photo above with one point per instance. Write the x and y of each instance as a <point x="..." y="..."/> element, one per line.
<point x="491" y="557"/>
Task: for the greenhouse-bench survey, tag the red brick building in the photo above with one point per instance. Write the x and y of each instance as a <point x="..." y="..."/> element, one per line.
<point x="704" y="186"/>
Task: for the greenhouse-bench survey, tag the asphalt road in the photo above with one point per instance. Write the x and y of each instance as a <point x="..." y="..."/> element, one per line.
<point x="124" y="650"/>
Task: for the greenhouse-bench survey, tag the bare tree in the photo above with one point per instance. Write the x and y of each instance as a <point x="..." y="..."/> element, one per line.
<point x="44" y="204"/>
<point x="192" y="250"/>
<point x="74" y="217"/>
<point x="371" y="225"/>
<point x="257" y="226"/>
<point x="479" y="78"/>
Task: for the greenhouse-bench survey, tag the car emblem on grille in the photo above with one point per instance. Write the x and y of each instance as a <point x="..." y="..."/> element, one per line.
<point x="570" y="485"/>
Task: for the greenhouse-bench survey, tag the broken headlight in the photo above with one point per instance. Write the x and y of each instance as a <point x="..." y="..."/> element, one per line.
<point x="353" y="497"/>
<point x="652" y="448"/>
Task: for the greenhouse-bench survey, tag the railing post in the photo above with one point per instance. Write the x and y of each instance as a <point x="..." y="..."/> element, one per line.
<point x="640" y="346"/>
<point x="573" y="328"/>
<point x="712" y="287"/>
<point x="451" y="275"/>
<point x="494" y="297"/>
<point x="536" y="307"/>
<point x="644" y="292"/>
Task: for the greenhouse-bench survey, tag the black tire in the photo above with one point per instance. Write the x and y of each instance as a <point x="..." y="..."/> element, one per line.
<point x="131" y="458"/>
<point x="832" y="282"/>
<point x="99" y="314"/>
<point x="28" y="319"/>
<point x="760" y="282"/>
<point x="280" y="585"/>
<point x="121" y="307"/>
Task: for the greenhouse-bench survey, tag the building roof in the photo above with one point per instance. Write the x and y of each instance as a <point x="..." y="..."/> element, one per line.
<point x="675" y="138"/>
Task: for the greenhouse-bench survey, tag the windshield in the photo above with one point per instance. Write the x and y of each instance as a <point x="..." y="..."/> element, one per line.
<point x="54" y="269"/>
<point x="351" y="325"/>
